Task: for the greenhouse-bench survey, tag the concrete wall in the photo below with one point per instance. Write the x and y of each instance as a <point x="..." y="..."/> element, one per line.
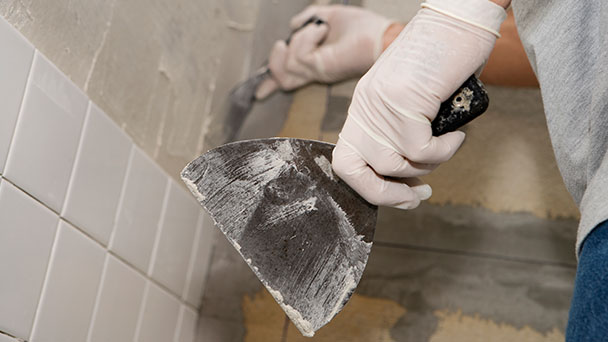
<point x="161" y="69"/>
<point x="401" y="10"/>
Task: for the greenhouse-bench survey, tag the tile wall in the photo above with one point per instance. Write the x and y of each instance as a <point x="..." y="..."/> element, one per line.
<point x="97" y="243"/>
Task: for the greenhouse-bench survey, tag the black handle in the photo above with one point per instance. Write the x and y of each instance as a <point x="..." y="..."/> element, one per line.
<point x="468" y="102"/>
<point x="312" y="20"/>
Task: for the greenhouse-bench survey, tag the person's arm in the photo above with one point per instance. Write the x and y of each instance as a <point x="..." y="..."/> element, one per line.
<point x="508" y="64"/>
<point x="503" y="3"/>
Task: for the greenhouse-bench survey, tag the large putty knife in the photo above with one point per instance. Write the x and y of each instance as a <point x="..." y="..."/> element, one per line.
<point x="304" y="232"/>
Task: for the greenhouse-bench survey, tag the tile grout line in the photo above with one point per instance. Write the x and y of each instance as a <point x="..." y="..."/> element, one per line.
<point x="161" y="220"/>
<point x="26" y="88"/>
<point x="30" y="195"/>
<point x="45" y="282"/>
<point x="481" y="255"/>
<point x="123" y="188"/>
<point x="210" y="259"/>
<point x="178" y="325"/>
<point x="194" y="252"/>
<point x="68" y="191"/>
<point x="17" y="339"/>
<point x="140" y="314"/>
<point x="102" y="280"/>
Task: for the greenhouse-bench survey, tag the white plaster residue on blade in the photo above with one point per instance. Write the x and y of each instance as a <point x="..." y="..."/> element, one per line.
<point x="303" y="325"/>
<point x="194" y="189"/>
<point x="263" y="167"/>
<point x="346" y="228"/>
<point x="325" y="165"/>
<point x="349" y="285"/>
<point x="336" y="273"/>
<point x="293" y="210"/>
<point x="266" y="165"/>
<point x="285" y="150"/>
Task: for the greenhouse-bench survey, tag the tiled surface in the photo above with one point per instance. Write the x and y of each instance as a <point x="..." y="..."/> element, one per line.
<point x="47" y="134"/>
<point x="98" y="176"/>
<point x="159" y="316"/>
<point x="58" y="86"/>
<point x="174" y="246"/>
<point x="118" y="305"/>
<point x="72" y="283"/>
<point x="193" y="293"/>
<point x="15" y="62"/>
<point x="27" y="231"/>
<point x="63" y="284"/>
<point x="139" y="212"/>
<point x="187" y="327"/>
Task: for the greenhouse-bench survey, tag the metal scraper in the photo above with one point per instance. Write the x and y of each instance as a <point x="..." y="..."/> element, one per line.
<point x="242" y="96"/>
<point x="304" y="232"/>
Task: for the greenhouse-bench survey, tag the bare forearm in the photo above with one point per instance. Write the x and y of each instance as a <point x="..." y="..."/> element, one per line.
<point x="508" y="64"/>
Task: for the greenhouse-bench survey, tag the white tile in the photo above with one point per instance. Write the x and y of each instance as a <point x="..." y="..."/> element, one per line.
<point x="15" y="62"/>
<point x="139" y="212"/>
<point x="27" y="232"/>
<point x="176" y="238"/>
<point x="187" y="326"/>
<point x="5" y="338"/>
<point x="46" y="137"/>
<point x="119" y="303"/>
<point x="98" y="176"/>
<point x="58" y="86"/>
<point x="199" y="263"/>
<point x="71" y="287"/>
<point x="159" y="316"/>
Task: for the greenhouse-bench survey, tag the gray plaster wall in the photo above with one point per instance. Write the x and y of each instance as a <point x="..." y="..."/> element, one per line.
<point x="160" y="68"/>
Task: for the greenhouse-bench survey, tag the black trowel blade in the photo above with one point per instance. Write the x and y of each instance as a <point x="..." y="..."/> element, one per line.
<point x="302" y="230"/>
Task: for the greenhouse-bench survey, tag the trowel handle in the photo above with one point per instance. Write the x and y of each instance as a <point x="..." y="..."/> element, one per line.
<point x="468" y="102"/>
<point x="312" y="20"/>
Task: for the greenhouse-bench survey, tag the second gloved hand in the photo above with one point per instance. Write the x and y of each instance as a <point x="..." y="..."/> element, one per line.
<point x="387" y="140"/>
<point x="345" y="47"/>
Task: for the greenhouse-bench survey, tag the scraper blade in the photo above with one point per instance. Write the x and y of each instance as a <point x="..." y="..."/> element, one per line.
<point x="304" y="232"/>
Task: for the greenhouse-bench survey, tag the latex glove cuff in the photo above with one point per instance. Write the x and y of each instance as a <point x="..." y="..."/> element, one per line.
<point x="480" y="13"/>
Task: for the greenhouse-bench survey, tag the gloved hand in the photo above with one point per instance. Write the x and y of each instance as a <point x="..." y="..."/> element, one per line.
<point x="346" y="47"/>
<point x="388" y="129"/>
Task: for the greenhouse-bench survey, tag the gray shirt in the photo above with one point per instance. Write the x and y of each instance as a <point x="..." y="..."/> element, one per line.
<point x="567" y="44"/>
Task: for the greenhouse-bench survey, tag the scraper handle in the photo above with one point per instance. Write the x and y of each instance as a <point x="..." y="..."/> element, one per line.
<point x="312" y="20"/>
<point x="468" y="102"/>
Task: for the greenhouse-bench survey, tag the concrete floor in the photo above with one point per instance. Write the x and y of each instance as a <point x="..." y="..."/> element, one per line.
<point x="491" y="257"/>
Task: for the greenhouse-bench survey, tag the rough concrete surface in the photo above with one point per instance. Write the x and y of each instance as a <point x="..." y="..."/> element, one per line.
<point x="162" y="68"/>
<point x="398" y="10"/>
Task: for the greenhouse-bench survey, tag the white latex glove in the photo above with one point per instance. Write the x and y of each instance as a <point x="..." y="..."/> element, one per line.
<point x="346" y="47"/>
<point x="388" y="128"/>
